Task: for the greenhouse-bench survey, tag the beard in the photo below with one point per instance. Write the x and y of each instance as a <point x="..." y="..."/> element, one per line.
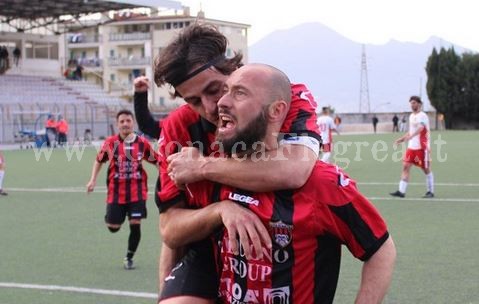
<point x="245" y="139"/>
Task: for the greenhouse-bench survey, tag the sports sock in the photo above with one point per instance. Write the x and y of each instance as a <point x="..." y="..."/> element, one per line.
<point x="430" y="182"/>
<point x="402" y="186"/>
<point x="2" y="173"/>
<point x="133" y="240"/>
<point x="325" y="157"/>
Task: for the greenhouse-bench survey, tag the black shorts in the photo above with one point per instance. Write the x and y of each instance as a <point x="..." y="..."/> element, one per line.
<point x="195" y="274"/>
<point x="116" y="213"/>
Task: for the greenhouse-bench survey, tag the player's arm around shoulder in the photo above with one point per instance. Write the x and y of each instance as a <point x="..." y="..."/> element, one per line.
<point x="288" y="167"/>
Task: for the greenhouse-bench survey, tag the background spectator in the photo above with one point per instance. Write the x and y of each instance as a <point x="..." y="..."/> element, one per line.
<point x="62" y="129"/>
<point x="16" y="55"/>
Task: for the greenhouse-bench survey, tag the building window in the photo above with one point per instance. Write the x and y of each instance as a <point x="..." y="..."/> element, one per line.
<point x="112" y="77"/>
<point x="112" y="53"/>
<point x="162" y="101"/>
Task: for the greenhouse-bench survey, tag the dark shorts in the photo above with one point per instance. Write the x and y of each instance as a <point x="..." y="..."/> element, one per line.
<point x="195" y="275"/>
<point x="116" y="213"/>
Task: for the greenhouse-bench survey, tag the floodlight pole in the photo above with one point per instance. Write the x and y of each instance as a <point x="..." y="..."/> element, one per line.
<point x="364" y="106"/>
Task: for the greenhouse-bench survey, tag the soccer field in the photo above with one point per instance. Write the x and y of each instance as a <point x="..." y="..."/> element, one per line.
<point x="55" y="249"/>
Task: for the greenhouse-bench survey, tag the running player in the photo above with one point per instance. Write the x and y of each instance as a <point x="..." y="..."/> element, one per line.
<point x="326" y="127"/>
<point x="307" y="225"/>
<point x="418" y="151"/>
<point x="126" y="180"/>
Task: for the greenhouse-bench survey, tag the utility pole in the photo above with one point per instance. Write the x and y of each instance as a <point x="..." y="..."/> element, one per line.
<point x="364" y="106"/>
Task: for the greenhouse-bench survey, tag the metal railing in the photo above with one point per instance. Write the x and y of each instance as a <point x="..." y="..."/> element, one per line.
<point x="84" y="38"/>
<point x="17" y="119"/>
<point x="129" y="36"/>
<point x="91" y="62"/>
<point x="117" y="61"/>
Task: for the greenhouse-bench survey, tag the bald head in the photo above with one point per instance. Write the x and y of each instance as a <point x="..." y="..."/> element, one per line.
<point x="274" y="82"/>
<point x="254" y="105"/>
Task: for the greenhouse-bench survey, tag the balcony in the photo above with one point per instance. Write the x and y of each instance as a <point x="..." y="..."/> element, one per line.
<point x="81" y="38"/>
<point x="129" y="36"/>
<point x="130" y="61"/>
<point x="90" y="62"/>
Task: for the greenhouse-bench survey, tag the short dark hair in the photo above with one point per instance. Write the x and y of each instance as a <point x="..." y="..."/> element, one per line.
<point x="416" y="99"/>
<point x="124" y="112"/>
<point x="197" y="44"/>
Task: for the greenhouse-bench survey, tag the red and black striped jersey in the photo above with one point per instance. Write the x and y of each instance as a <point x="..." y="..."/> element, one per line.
<point x="301" y="118"/>
<point x="308" y="226"/>
<point x="126" y="178"/>
<point x="184" y="127"/>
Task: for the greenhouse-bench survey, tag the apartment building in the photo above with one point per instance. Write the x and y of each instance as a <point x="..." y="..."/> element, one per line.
<point x="114" y="53"/>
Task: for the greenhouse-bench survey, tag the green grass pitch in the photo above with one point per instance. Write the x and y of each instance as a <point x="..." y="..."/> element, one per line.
<point x="52" y="233"/>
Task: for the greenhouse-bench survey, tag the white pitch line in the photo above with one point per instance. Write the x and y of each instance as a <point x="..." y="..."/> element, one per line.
<point x="417" y="184"/>
<point x="467" y="200"/>
<point x="101" y="189"/>
<point x="66" y="189"/>
<point x="81" y="290"/>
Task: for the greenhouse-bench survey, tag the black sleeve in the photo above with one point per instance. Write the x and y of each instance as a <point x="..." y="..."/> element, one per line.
<point x="146" y="122"/>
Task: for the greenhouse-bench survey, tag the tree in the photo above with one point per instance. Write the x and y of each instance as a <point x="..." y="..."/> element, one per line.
<point x="453" y="85"/>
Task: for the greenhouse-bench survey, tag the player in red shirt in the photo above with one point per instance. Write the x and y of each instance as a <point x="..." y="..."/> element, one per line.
<point x="197" y="73"/>
<point x="127" y="181"/>
<point x="307" y="225"/>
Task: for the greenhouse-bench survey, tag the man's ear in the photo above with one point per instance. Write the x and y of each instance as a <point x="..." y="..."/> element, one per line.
<point x="277" y="110"/>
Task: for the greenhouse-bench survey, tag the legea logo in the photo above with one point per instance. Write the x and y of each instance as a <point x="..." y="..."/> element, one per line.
<point x="243" y="199"/>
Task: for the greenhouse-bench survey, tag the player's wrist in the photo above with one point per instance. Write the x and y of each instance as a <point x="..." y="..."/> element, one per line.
<point x="206" y="168"/>
<point x="218" y="211"/>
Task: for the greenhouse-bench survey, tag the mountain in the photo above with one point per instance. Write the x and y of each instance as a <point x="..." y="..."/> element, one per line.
<point x="330" y="65"/>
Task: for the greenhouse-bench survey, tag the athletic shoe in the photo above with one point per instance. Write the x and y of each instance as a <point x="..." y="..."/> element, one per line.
<point x="128" y="264"/>
<point x="428" y="194"/>
<point x="397" y="194"/>
<point x="3" y="193"/>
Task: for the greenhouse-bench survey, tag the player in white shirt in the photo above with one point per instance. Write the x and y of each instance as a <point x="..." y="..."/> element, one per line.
<point x="326" y="127"/>
<point x="2" y="173"/>
<point x="418" y="149"/>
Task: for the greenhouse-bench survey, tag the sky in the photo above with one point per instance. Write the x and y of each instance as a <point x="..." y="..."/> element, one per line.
<point x="364" y="21"/>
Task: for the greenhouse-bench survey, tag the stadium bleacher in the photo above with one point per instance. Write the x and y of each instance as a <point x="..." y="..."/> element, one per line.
<point x="25" y="89"/>
<point x="25" y="100"/>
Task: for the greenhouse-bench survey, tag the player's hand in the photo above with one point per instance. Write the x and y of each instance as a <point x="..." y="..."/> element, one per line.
<point x="141" y="84"/>
<point x="243" y="223"/>
<point x="90" y="186"/>
<point x="185" y="166"/>
<point x="399" y="140"/>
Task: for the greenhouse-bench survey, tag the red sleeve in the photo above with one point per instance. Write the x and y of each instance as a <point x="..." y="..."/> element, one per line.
<point x="200" y="193"/>
<point x="174" y="135"/>
<point x="149" y="154"/>
<point x="301" y="118"/>
<point x="106" y="151"/>
<point x="345" y="213"/>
